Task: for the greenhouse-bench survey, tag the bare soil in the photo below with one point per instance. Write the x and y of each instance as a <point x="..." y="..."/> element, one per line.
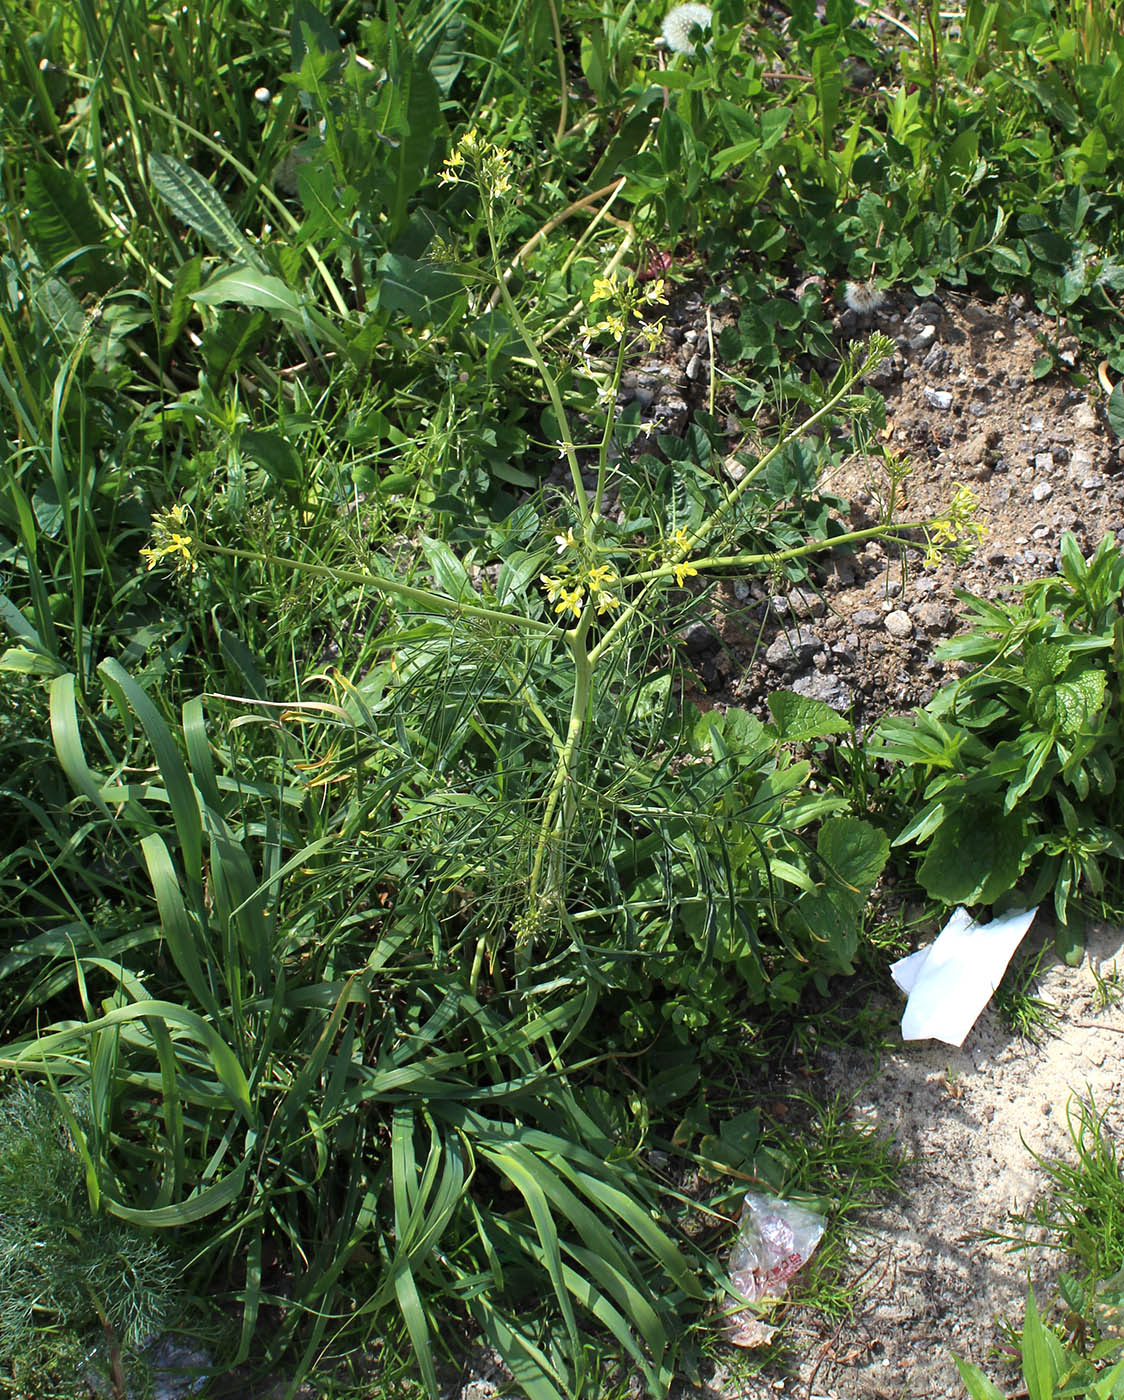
<point x="964" y="406"/>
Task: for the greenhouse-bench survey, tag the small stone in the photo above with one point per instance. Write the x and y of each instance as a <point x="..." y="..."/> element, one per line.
<point x="998" y="337"/>
<point x="695" y="368"/>
<point x="697" y="637"/>
<point x="938" y="398"/>
<point x="1084" y="420"/>
<point x="1042" y="491"/>
<point x="1092" y="483"/>
<point x="866" y="617"/>
<point x="805" y="603"/>
<point x="899" y="624"/>
<point x="1044" y="462"/>
<point x="741" y="591"/>
<point x="933" y="617"/>
<point x="792" y="651"/>
<point x="924" y="338"/>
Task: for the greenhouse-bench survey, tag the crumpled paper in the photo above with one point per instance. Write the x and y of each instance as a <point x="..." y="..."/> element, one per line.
<point x="951" y="981"/>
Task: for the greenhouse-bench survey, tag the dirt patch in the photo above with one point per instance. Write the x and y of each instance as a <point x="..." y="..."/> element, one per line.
<point x="963" y="406"/>
<point x="926" y="1283"/>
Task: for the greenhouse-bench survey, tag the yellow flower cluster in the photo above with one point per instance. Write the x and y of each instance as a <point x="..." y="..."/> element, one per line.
<point x="170" y="540"/>
<point x="568" y="590"/>
<point x="956" y="533"/>
<point x="677" y="543"/>
<point x="626" y="299"/>
<point x="490" y="164"/>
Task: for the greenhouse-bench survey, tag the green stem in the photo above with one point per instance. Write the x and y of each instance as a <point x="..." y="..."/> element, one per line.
<point x="561" y="55"/>
<point x="561" y="783"/>
<point x="540" y="364"/>
<point x="606" y="437"/>
<point x="735" y="561"/>
<point x="421" y="596"/>
<point x="724" y="508"/>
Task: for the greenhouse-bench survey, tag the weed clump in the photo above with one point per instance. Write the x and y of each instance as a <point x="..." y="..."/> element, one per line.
<point x="70" y="1278"/>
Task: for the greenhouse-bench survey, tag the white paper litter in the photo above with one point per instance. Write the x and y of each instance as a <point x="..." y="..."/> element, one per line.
<point x="951" y="981"/>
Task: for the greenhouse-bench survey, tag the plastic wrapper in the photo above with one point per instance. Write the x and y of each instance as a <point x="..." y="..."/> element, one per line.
<point x="775" y="1239"/>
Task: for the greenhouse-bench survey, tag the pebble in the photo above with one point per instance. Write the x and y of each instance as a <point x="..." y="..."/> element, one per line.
<point x="791" y="651"/>
<point x="1084" y="420"/>
<point x="1092" y="483"/>
<point x="1044" y="462"/>
<point x="899" y="624"/>
<point x="695" y="368"/>
<point x="938" y="398"/>
<point x="741" y="591"/>
<point x="924" y="338"/>
<point x="866" y="617"/>
<point x="933" y="617"/>
<point x="805" y="603"/>
<point x="1042" y="491"/>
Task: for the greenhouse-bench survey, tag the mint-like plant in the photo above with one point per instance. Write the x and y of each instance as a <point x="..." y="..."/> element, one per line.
<point x="1012" y="770"/>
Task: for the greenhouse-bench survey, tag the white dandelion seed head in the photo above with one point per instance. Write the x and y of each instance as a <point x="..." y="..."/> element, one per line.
<point x="681" y="21"/>
<point x="863" y="297"/>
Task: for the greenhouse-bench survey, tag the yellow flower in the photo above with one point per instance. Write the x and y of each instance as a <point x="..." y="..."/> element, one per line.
<point x="565" y="542"/>
<point x="604" y="289"/>
<point x="571" y="601"/>
<point x="597" y="577"/>
<point x="605" y="601"/>
<point x="553" y="586"/>
<point x="679" y="539"/>
<point x="683" y="571"/>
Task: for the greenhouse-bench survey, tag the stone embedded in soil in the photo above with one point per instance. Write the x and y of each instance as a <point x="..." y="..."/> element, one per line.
<point x="1042" y="491"/>
<point x="793" y="650"/>
<point x="899" y="624"/>
<point x="939" y="398"/>
<point x="821" y="685"/>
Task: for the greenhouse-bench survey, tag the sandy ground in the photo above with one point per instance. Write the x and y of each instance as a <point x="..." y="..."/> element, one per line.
<point x="972" y="1121"/>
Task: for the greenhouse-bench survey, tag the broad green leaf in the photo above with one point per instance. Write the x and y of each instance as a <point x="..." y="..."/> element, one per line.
<point x="193" y="200"/>
<point x="277" y="455"/>
<point x="189" y="279"/>
<point x="1040" y="1369"/>
<point x="854" y="851"/>
<point x="828" y="79"/>
<point x="421" y="292"/>
<point x="420" y="123"/>
<point x="1116" y="410"/>
<point x="182" y="796"/>
<point x="62" y="223"/>
<point x="201" y="1203"/>
<point x="799" y="720"/>
<point x="977" y="851"/>
<point x="1072" y="705"/>
<point x="446" y="56"/>
<point x="246" y="286"/>
<point x="67" y="740"/>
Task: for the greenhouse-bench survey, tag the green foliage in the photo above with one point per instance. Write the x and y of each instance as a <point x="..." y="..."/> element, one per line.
<point x="65" y="1268"/>
<point x="1013" y="769"/>
<point x="365" y="879"/>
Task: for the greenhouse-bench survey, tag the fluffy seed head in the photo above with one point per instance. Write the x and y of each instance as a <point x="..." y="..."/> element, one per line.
<point x="679" y="23"/>
<point x="863" y="297"/>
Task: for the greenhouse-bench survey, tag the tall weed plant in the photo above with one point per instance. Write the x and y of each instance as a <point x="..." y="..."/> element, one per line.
<point x="364" y="872"/>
